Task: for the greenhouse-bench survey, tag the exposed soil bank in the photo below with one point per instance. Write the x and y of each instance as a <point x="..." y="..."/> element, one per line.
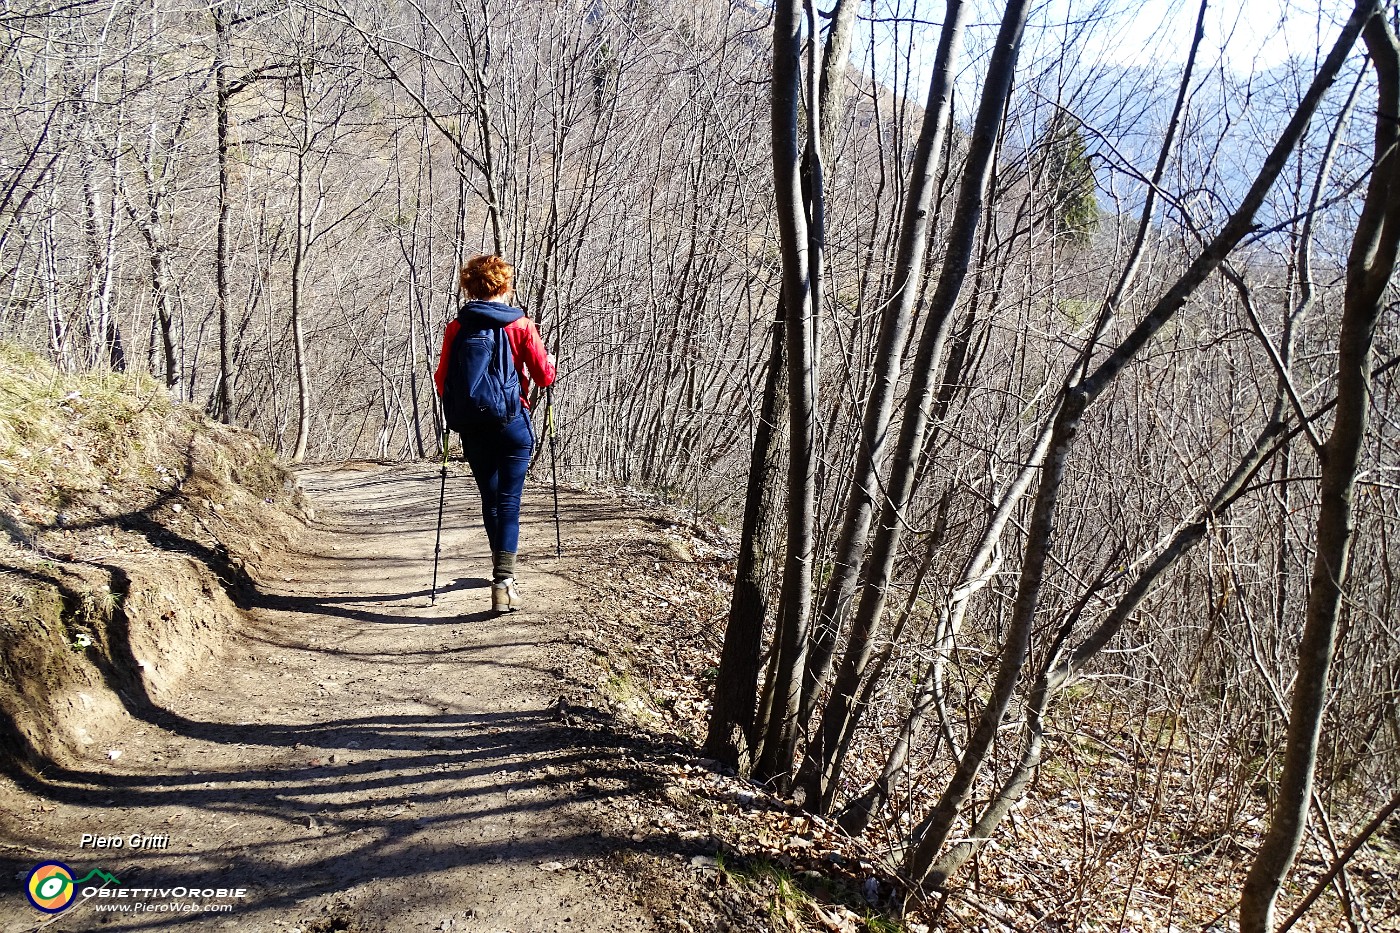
<point x="126" y="524"/>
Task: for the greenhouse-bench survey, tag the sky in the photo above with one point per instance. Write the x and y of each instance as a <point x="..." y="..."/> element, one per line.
<point x="1119" y="61"/>
<point x="1251" y="36"/>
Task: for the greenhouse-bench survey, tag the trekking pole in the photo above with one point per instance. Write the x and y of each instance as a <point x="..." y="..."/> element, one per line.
<point x="553" y="467"/>
<point x="442" y="497"/>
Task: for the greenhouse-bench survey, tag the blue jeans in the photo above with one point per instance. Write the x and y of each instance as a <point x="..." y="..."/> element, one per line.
<point x="498" y="461"/>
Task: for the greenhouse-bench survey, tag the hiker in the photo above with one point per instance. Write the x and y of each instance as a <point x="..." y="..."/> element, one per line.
<point x="497" y="443"/>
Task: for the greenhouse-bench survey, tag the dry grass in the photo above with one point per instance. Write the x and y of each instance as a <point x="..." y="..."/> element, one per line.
<point x="77" y="447"/>
<point x="49" y="419"/>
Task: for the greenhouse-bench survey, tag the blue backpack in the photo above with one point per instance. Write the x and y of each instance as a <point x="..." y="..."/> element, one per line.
<point x="482" y="388"/>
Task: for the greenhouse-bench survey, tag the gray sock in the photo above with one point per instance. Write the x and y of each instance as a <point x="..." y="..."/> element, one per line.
<point x="502" y="565"/>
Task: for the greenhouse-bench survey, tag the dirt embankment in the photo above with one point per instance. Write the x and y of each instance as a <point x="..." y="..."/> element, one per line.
<point x="130" y="523"/>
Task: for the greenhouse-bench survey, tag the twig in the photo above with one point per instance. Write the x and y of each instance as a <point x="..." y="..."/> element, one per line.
<point x="1361" y="838"/>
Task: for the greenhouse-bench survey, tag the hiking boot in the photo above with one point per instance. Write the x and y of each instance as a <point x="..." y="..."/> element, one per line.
<point x="504" y="596"/>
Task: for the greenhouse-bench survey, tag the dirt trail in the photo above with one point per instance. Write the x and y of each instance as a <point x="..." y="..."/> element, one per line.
<point x="358" y="760"/>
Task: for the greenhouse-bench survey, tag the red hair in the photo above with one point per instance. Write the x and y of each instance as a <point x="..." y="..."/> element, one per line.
<point x="485" y="277"/>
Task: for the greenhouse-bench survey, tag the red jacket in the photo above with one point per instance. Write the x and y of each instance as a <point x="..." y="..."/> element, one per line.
<point x="526" y="346"/>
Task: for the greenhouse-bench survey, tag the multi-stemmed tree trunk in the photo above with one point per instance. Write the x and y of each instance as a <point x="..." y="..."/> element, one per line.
<point x="732" y="731"/>
<point x="889" y="355"/>
<point x="795" y="248"/>
<point x="1370" y="266"/>
<point x="821" y="771"/>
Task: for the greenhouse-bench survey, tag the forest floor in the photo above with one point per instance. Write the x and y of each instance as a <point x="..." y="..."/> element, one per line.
<point x="357" y="759"/>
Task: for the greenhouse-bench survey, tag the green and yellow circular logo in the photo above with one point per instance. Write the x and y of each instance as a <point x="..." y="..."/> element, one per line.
<point x="50" y="887"/>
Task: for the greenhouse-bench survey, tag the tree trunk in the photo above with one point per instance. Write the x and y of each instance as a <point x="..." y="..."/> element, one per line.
<point x="163" y="297"/>
<point x="797" y="295"/>
<point x="823" y="766"/>
<point x="1369" y="269"/>
<point x="835" y="60"/>
<point x="730" y="737"/>
<point x="221" y="404"/>
<point x="301" y="240"/>
<point x="298" y="338"/>
<point x="889" y="354"/>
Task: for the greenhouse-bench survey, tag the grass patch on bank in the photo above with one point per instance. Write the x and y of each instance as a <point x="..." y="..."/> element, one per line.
<point x="49" y="421"/>
<point x="78" y="447"/>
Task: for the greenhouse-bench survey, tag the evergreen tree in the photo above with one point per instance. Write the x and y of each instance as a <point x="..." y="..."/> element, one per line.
<point x="1067" y="176"/>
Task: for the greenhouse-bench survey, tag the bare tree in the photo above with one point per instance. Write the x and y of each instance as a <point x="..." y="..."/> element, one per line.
<point x="1370" y="267"/>
<point x="933" y="831"/>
